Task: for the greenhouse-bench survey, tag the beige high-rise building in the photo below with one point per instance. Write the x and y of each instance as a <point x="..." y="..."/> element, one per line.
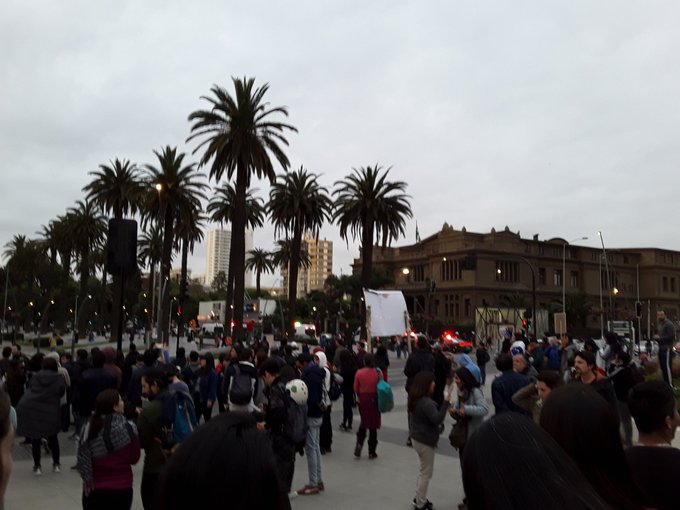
<point x="217" y="254"/>
<point x="320" y="255"/>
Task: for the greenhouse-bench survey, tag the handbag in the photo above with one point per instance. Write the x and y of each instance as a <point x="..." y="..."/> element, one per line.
<point x="458" y="435"/>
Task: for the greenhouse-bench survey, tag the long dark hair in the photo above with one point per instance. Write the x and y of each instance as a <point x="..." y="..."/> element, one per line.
<point x="103" y="409"/>
<point x="469" y="381"/>
<point x="227" y="452"/>
<point x="493" y="482"/>
<point x="420" y="387"/>
<point x="209" y="364"/>
<point x="584" y="425"/>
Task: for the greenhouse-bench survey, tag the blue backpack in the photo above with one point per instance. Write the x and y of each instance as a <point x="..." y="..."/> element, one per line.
<point x="553" y="355"/>
<point x="178" y="420"/>
<point x="385" y="396"/>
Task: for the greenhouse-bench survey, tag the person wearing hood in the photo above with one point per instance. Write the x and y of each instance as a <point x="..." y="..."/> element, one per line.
<point x="245" y="366"/>
<point x="110" y="364"/>
<point x="63" y="404"/>
<point x="326" y="432"/>
<point x="38" y="413"/>
<point x="466" y="361"/>
<point x="366" y="388"/>
<point x="314" y="377"/>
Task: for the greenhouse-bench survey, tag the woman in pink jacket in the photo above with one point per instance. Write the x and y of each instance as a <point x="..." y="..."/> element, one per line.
<point x="366" y="388"/>
<point x="109" y="447"/>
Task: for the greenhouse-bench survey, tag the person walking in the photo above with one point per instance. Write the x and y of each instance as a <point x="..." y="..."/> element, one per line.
<point x="366" y="388"/>
<point x="39" y="414"/>
<point x="426" y="420"/>
<point x="348" y="372"/>
<point x="207" y="385"/>
<point x="326" y="432"/>
<point x="665" y="335"/>
<point x="108" y="449"/>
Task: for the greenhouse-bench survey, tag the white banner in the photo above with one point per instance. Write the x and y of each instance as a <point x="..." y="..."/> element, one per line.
<point x="386" y="312"/>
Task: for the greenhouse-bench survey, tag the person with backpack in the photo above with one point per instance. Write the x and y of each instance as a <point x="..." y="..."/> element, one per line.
<point x="190" y="375"/>
<point x="313" y="376"/>
<point x="108" y="449"/>
<point x="240" y="383"/>
<point x="366" y="388"/>
<point x="274" y="424"/>
<point x="207" y="387"/>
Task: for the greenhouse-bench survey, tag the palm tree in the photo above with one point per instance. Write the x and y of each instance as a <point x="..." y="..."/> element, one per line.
<point x="297" y="204"/>
<point x="239" y="137"/>
<point x="189" y="232"/>
<point x="49" y="241"/>
<point x="87" y="228"/>
<point x="116" y="188"/>
<point x="260" y="261"/>
<point x="221" y="210"/>
<point x="282" y="255"/>
<point x="179" y="188"/>
<point x="65" y="242"/>
<point x="150" y="252"/>
<point x="369" y="207"/>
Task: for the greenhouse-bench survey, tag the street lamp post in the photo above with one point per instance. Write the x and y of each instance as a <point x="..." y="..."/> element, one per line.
<point x="564" y="271"/>
<point x="610" y="290"/>
<point x="76" y="314"/>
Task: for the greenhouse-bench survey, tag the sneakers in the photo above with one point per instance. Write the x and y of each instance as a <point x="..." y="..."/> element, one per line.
<point x="357" y="449"/>
<point x="372" y="455"/>
<point x="56" y="468"/>
<point x="37" y="471"/>
<point x="321" y="487"/>
<point x="346" y="428"/>
<point x="308" y="490"/>
<point x="409" y="442"/>
<point x="427" y="506"/>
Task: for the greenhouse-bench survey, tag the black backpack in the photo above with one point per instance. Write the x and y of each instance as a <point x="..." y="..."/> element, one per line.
<point x="241" y="387"/>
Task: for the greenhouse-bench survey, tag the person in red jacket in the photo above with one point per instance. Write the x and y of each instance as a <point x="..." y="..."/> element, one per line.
<point x="108" y="449"/>
<point x="366" y="388"/>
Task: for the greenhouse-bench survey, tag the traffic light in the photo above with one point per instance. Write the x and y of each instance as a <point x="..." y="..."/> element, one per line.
<point x="524" y="323"/>
<point x="638" y="309"/>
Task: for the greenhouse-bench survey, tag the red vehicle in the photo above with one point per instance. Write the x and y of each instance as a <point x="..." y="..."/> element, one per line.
<point x="457" y="344"/>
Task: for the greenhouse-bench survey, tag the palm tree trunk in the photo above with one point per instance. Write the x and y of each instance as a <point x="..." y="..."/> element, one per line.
<point x="116" y="322"/>
<point x="100" y="316"/>
<point x="258" y="273"/>
<point x="84" y="273"/>
<point x="293" y="270"/>
<point x="238" y="245"/>
<point x="164" y="319"/>
<point x="366" y="269"/>
<point x="228" y="312"/>
<point x="183" y="283"/>
<point x="150" y="296"/>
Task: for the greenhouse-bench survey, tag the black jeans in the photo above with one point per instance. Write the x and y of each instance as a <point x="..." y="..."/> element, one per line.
<point x="108" y="500"/>
<point x="665" y="362"/>
<point x="326" y="432"/>
<point x="148" y="490"/>
<point x="347" y="404"/>
<point x="284" y="456"/>
<point x="52" y="443"/>
<point x="372" y="438"/>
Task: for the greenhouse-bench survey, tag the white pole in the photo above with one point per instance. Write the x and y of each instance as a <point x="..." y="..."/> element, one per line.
<point x="4" y="306"/>
<point x="601" y="305"/>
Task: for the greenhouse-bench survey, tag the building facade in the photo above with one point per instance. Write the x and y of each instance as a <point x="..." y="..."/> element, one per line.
<point x="217" y="254"/>
<point x="320" y="253"/>
<point x="451" y="275"/>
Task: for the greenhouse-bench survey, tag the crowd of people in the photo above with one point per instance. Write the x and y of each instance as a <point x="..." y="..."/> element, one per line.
<point x="240" y="421"/>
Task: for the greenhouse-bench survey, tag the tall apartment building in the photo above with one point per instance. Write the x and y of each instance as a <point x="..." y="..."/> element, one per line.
<point x="320" y="255"/>
<point x="217" y="254"/>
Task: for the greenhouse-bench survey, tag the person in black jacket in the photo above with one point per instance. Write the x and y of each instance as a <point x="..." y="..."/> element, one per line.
<point x="420" y="361"/>
<point x="93" y="382"/>
<point x="274" y="422"/>
<point x="624" y="376"/>
<point x="505" y="386"/>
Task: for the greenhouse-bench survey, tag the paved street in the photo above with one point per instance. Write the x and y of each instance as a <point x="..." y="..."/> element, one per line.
<point x="386" y="482"/>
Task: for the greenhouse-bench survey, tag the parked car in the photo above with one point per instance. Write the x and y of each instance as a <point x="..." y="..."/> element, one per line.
<point x="455" y="343"/>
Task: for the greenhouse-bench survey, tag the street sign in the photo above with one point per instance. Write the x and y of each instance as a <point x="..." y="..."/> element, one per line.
<point x="560" y="322"/>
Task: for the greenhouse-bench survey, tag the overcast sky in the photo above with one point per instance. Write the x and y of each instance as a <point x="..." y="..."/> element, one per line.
<point x="557" y="118"/>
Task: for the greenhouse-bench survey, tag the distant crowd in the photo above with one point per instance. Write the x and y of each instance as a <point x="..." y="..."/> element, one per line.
<point x="561" y="435"/>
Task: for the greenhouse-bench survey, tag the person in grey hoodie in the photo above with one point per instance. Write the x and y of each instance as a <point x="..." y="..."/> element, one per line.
<point x="426" y="420"/>
<point x="38" y="413"/>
